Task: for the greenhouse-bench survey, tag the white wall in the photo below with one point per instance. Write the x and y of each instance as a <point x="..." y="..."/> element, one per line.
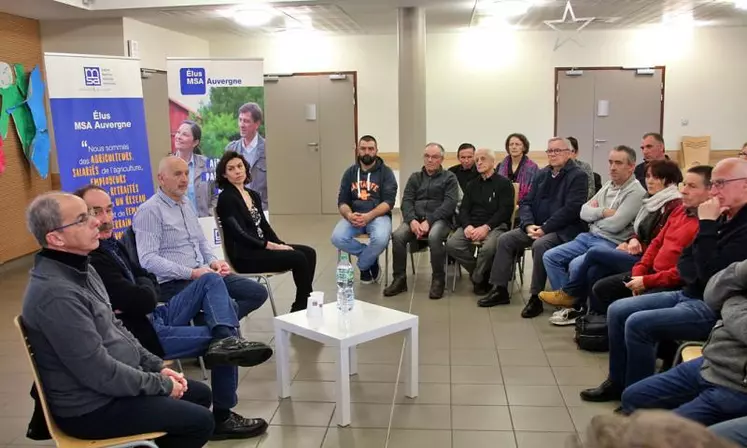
<point x="156" y="43"/>
<point x="102" y="36"/>
<point x="482" y="87"/>
<point x="373" y="57"/>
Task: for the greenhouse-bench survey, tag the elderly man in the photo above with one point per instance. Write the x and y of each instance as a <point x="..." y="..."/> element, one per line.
<point x="484" y="215"/>
<point x="548" y="216"/>
<point x="171" y="245"/>
<point x="368" y="191"/>
<point x="637" y="324"/>
<point x="134" y="294"/>
<point x="610" y="215"/>
<point x="99" y="381"/>
<point x="428" y="205"/>
<point x="652" y="147"/>
<point x="251" y="145"/>
<point x="465" y="170"/>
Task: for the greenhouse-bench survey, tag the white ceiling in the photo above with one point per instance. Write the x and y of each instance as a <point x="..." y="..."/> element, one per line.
<point x="200" y="18"/>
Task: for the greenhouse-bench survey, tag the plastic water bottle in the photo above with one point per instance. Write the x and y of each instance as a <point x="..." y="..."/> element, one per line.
<point x="344" y="276"/>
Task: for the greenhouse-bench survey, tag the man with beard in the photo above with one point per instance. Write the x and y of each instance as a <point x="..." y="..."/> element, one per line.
<point x="368" y="191"/>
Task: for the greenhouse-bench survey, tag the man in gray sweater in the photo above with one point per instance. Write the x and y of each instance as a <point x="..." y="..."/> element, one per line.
<point x="610" y="214"/>
<point x="713" y="388"/>
<point x="99" y="381"/>
<point x="428" y="205"/>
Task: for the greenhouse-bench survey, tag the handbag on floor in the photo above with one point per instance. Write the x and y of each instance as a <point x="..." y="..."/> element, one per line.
<point x="591" y="333"/>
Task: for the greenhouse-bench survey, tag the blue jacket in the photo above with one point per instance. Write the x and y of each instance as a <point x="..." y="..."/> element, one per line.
<point x="555" y="203"/>
<point x="363" y="191"/>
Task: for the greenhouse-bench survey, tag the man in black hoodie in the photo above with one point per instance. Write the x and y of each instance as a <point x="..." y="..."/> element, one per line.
<point x="549" y="215"/>
<point x="368" y="191"/>
<point x="484" y="215"/>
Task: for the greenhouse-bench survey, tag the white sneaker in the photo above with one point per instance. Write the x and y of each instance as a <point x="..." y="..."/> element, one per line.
<point x="559" y="312"/>
<point x="565" y="317"/>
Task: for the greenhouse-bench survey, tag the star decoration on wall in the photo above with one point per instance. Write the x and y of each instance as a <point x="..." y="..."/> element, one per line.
<point x="583" y="21"/>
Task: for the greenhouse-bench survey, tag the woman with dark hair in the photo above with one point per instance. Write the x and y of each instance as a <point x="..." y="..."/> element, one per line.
<point x="664" y="197"/>
<point x="251" y="244"/>
<point x="201" y="191"/>
<point x="517" y="167"/>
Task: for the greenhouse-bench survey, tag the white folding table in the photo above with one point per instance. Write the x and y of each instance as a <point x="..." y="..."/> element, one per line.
<point x="364" y="323"/>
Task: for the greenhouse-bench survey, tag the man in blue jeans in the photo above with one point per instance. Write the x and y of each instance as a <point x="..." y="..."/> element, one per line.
<point x="171" y="245"/>
<point x="710" y="389"/>
<point x="367" y="193"/>
<point x="134" y="294"/>
<point x="638" y="324"/>
<point x="610" y="214"/>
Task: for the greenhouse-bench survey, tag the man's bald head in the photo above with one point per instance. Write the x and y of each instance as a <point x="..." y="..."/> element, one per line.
<point x="729" y="183"/>
<point x="485" y="161"/>
<point x="173" y="177"/>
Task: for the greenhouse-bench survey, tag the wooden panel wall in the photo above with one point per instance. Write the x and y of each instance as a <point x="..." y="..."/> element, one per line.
<point x="20" y="42"/>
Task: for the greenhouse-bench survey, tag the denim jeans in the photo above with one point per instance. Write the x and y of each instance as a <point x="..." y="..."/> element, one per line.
<point x="248" y="294"/>
<point x="563" y="262"/>
<point x="734" y="430"/>
<point x="599" y="262"/>
<point x="684" y="390"/>
<point x="637" y="324"/>
<point x="210" y="294"/>
<point x="379" y="231"/>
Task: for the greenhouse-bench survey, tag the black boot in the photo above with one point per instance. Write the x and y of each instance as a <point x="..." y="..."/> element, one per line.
<point x="533" y="309"/>
<point x="398" y="285"/>
<point x="482" y="288"/>
<point x="438" y="283"/>
<point x="497" y="296"/>
<point x="236" y="351"/>
<point x="607" y="391"/>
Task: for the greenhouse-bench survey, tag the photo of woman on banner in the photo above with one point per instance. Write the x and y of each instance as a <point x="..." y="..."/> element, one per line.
<point x="251" y="145"/>
<point x="202" y="192"/>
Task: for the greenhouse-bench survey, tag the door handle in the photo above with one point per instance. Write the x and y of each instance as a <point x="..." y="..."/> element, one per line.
<point x="314" y="145"/>
<point x="600" y="140"/>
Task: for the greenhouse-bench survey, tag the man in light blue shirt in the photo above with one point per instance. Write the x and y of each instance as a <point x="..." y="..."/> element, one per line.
<point x="171" y="245"/>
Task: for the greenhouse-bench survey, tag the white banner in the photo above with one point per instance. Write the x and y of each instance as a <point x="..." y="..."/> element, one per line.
<point x="216" y="105"/>
<point x="99" y="128"/>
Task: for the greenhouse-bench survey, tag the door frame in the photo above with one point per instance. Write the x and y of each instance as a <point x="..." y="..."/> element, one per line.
<point x="353" y="73"/>
<point x="563" y="69"/>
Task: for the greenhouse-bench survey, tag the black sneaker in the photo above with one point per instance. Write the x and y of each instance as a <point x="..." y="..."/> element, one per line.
<point x="375" y="272"/>
<point x="236" y="351"/>
<point x="366" y="277"/>
<point x="398" y="286"/>
<point x="238" y="427"/>
<point x="497" y="296"/>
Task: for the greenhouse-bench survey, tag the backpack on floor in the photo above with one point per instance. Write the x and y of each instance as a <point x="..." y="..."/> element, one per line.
<point x="591" y="333"/>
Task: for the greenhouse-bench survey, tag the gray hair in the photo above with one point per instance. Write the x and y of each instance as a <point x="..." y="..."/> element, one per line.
<point x="627" y="150"/>
<point x="565" y="141"/>
<point x="44" y="214"/>
<point x="438" y="145"/>
<point x="253" y="109"/>
<point x="487" y="151"/>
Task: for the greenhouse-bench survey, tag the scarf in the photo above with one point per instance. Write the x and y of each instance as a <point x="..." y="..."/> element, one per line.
<point x="653" y="204"/>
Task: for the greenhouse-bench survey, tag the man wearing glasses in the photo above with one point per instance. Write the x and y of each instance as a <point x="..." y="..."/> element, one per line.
<point x="637" y="324"/>
<point x="549" y="216"/>
<point x="652" y="148"/>
<point x="428" y="205"/>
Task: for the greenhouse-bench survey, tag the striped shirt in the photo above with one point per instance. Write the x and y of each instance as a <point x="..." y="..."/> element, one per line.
<point x="170" y="242"/>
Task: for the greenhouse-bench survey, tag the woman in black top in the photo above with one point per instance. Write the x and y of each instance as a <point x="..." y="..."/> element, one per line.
<point x="251" y="244"/>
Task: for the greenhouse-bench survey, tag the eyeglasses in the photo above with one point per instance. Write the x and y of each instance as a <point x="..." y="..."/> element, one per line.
<point x="721" y="183"/>
<point x="551" y="152"/>
<point x="82" y="219"/>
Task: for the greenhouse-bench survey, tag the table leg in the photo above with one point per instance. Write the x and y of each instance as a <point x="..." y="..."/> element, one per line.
<point x="343" y="386"/>
<point x="353" y="360"/>
<point x="411" y="357"/>
<point x="282" y="362"/>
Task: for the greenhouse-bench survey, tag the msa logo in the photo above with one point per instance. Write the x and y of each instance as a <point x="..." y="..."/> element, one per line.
<point x="192" y="81"/>
<point x="92" y="76"/>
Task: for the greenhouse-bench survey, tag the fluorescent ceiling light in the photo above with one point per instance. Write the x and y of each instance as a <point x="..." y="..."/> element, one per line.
<point x="250" y="17"/>
<point x="740" y="4"/>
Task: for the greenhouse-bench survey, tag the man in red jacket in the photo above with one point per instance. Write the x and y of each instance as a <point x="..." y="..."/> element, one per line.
<point x="657" y="269"/>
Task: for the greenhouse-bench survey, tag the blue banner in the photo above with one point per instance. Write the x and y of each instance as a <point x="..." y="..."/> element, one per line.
<point x="102" y="140"/>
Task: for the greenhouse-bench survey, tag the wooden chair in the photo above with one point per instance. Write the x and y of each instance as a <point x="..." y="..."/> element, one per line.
<point x="687" y="351"/>
<point x="261" y="277"/>
<point x="61" y="439"/>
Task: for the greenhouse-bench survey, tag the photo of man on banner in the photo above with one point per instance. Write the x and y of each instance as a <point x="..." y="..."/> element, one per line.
<point x="251" y="145"/>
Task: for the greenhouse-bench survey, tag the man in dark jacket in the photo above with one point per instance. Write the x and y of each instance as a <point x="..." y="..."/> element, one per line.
<point x="548" y="216"/>
<point x="134" y="293"/>
<point x="484" y="215"/>
<point x="368" y="191"/>
<point x="638" y="323"/>
<point x="428" y="204"/>
<point x="465" y="170"/>
<point x="710" y="389"/>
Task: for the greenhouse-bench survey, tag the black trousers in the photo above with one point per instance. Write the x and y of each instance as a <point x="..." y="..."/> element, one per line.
<point x="188" y="421"/>
<point x="609" y="289"/>
<point x="301" y="261"/>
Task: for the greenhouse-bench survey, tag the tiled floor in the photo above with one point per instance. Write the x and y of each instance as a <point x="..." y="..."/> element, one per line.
<point x="488" y="377"/>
